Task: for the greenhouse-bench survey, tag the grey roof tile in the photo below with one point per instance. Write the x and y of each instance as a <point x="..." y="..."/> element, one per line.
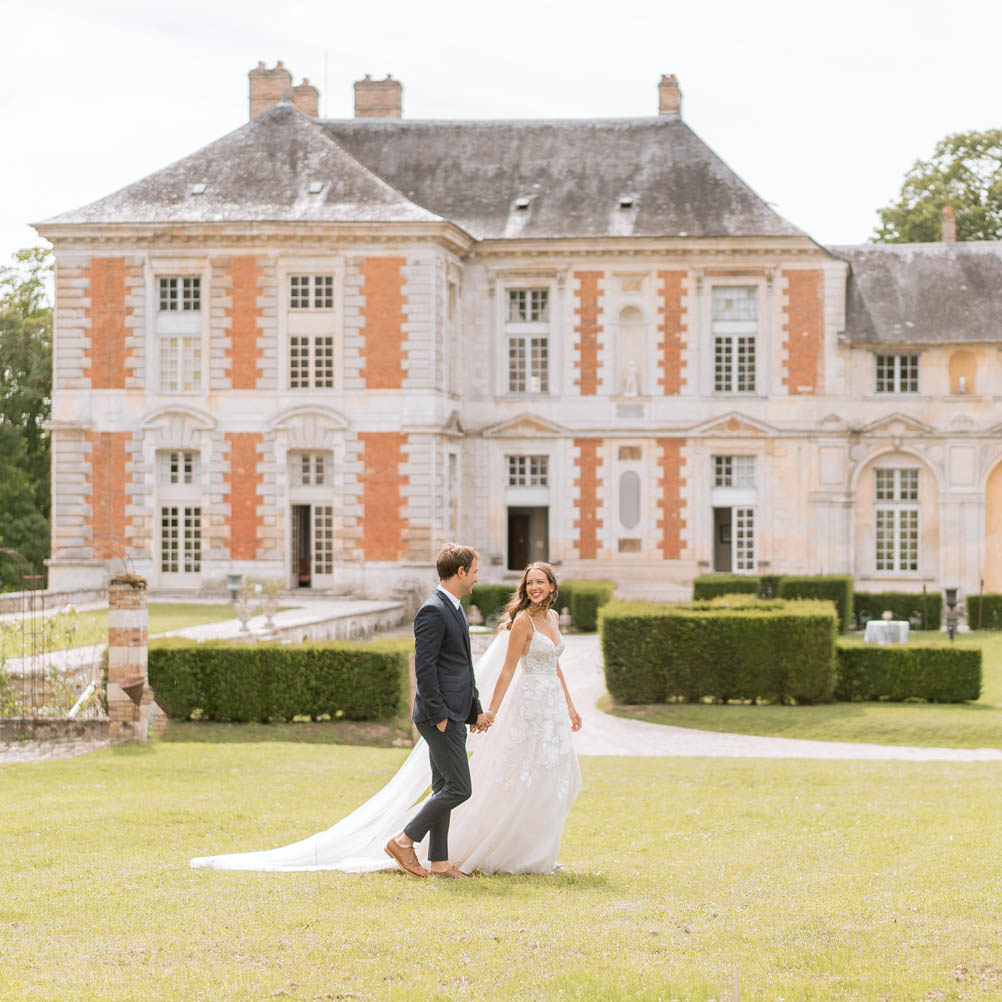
<point x="901" y="294"/>
<point x="260" y="172"/>
<point x="572" y="172"/>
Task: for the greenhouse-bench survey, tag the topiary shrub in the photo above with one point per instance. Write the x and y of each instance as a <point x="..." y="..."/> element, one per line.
<point x="490" y="599"/>
<point x="241" y="682"/>
<point x="835" y="588"/>
<point x="913" y="671"/>
<point x="777" y="652"/>
<point x="711" y="585"/>
<point x="984" y="612"/>
<point x="586" y="599"/>
<point x="924" y="612"/>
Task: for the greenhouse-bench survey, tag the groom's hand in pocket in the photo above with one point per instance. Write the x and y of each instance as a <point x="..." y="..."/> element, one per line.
<point x="442" y="724"/>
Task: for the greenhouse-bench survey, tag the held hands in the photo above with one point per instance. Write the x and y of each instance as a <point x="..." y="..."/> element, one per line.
<point x="484" y="721"/>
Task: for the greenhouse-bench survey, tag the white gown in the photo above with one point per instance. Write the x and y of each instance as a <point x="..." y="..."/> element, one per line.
<point x="525" y="777"/>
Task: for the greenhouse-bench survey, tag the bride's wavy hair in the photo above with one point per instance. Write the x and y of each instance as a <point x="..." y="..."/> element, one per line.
<point x="520" y="600"/>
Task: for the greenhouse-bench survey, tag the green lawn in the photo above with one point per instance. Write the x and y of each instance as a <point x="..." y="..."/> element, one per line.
<point x="967" y="725"/>
<point x="684" y="879"/>
<point x="81" y="629"/>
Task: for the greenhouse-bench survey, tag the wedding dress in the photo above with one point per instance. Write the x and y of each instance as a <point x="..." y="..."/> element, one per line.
<point x="525" y="777"/>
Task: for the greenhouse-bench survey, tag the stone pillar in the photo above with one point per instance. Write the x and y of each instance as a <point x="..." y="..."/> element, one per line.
<point x="129" y="693"/>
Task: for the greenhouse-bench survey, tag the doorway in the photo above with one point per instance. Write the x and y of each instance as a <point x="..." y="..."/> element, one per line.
<point x="301" y="566"/>
<point x="734" y="540"/>
<point x="528" y="536"/>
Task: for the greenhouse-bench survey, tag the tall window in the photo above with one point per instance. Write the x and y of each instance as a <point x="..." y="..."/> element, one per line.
<point x="180" y="539"/>
<point x="323" y="539"/>
<point x="734" y="319"/>
<point x="528" y="471"/>
<point x="733" y="471"/>
<point x="897" y="373"/>
<point x="180" y="363"/>
<point x="311" y="292"/>
<point x="528" y="334"/>
<point x="309" y="469"/>
<point x="311" y="361"/>
<point x="180" y="293"/>
<point x="897" y="519"/>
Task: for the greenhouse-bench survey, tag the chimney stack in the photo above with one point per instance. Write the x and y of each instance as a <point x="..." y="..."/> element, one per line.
<point x="949" y="224"/>
<point x="669" y="96"/>
<point x="269" y="87"/>
<point x="379" y="98"/>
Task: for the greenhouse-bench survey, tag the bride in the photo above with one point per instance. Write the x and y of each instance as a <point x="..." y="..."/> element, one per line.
<point x="524" y="769"/>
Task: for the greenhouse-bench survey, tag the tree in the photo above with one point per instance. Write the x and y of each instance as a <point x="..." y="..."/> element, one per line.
<point x="965" y="171"/>
<point x="25" y="406"/>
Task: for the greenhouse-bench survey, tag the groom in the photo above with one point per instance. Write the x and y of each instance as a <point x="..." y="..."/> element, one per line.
<point x="446" y="701"/>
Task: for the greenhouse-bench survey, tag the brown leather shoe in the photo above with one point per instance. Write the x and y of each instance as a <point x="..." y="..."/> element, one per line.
<point x="405" y="858"/>
<point x="450" y="872"/>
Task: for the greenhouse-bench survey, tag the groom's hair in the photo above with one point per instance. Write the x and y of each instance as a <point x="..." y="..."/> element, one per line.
<point x="451" y="557"/>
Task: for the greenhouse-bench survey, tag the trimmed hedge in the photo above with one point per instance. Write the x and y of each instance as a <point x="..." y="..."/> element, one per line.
<point x="914" y="671"/>
<point x="585" y="600"/>
<point x="835" y="588"/>
<point x="711" y="585"/>
<point x="244" y="682"/>
<point x="904" y="605"/>
<point x="490" y="599"/>
<point x="660" y="653"/>
<point x="984" y="612"/>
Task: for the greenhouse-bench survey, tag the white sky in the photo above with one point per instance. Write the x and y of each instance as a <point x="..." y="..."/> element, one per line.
<point x="821" y="108"/>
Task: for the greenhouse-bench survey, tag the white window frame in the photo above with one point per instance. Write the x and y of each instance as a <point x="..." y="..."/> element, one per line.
<point x="185" y="557"/>
<point x="528" y="470"/>
<point x="734" y="471"/>
<point x="311" y="361"/>
<point x="179" y="293"/>
<point x="743" y="540"/>
<point x="309" y="468"/>
<point x="900" y="373"/>
<point x="897" y="533"/>
<point x="735" y="345"/>
<point x="318" y="288"/>
<point x="527" y="341"/>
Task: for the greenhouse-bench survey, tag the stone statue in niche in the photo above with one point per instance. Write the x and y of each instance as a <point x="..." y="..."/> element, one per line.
<point x="962" y="385"/>
<point x="631" y="380"/>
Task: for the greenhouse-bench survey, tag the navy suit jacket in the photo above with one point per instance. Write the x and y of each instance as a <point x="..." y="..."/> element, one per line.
<point x="443" y="664"/>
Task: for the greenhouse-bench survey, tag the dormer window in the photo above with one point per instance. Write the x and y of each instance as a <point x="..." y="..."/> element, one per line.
<point x="198" y="188"/>
<point x="316" y="187"/>
<point x="626" y="201"/>
<point x="522" y="203"/>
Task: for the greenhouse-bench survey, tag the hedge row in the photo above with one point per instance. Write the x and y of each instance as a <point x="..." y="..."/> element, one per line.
<point x="984" y="612"/>
<point x="582" y="598"/>
<point x="924" y="612"/>
<point x="242" y="682"/>
<point x="661" y="653"/>
<point x="914" y="671"/>
<point x="836" y="588"/>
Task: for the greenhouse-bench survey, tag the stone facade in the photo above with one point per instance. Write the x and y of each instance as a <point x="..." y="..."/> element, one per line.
<point x="325" y="391"/>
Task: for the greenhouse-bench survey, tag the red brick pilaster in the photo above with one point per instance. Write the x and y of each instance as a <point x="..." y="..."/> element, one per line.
<point x="587" y="329"/>
<point x="803" y="325"/>
<point x="383" y="352"/>
<point x="243" y="479"/>
<point x="671" y="328"/>
<point x="106" y="355"/>
<point x="244" y="351"/>
<point x="106" y="480"/>
<point x="383" y="524"/>
<point x="671" y="503"/>
<point x="588" y="483"/>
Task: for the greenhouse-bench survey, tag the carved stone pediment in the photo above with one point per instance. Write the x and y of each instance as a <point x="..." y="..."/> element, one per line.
<point x="731" y="425"/>
<point x="524" y="426"/>
<point x="897" y="425"/>
<point x="177" y="426"/>
<point x="832" y="422"/>
<point x="310" y="427"/>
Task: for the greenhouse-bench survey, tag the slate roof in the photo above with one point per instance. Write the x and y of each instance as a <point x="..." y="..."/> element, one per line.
<point x="260" y="172"/>
<point x="572" y="171"/>
<point x="901" y="294"/>
<point x="573" y="174"/>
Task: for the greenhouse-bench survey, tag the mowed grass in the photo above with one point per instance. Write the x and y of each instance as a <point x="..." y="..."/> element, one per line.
<point x="684" y="879"/>
<point x="964" y="725"/>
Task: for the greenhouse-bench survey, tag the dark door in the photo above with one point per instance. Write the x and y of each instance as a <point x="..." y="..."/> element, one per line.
<point x="722" y="540"/>
<point x="528" y="536"/>
<point x="301" y="573"/>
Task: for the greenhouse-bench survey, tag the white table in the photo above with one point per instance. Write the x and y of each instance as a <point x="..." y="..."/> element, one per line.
<point x="887" y="631"/>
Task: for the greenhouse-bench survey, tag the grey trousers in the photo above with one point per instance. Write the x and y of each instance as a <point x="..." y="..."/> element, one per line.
<point x="450" y="784"/>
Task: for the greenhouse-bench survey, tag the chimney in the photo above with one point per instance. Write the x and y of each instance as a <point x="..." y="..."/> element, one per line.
<point x="306" y="98"/>
<point x="949" y="224"/>
<point x="379" y="98"/>
<point x="669" y="96"/>
<point x="267" y="87"/>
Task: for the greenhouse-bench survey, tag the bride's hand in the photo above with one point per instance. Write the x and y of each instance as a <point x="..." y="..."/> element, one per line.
<point x="575" y="719"/>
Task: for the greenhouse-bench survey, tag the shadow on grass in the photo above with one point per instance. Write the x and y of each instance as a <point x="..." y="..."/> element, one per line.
<point x="380" y="733"/>
<point x="500" y="885"/>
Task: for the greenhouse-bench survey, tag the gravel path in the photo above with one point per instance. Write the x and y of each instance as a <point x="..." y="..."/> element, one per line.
<point x="604" y="734"/>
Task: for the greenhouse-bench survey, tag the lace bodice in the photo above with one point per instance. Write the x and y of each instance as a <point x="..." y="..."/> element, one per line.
<point x="542" y="655"/>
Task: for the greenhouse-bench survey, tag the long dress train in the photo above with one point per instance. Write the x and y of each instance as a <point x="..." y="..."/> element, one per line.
<point x="525" y="777"/>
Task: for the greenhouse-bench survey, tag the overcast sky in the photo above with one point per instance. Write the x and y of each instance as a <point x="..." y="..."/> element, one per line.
<point x="821" y="108"/>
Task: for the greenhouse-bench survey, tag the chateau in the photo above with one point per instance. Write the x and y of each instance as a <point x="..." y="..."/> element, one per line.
<point x="316" y="349"/>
